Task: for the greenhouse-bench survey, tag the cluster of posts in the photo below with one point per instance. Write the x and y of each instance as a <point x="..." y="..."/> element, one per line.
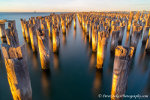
<point x="37" y="32"/>
<point x="15" y="61"/>
<point x="43" y="34"/>
<point x="41" y="31"/>
<point x="99" y="27"/>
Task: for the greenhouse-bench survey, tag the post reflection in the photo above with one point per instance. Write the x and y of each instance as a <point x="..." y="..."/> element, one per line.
<point x="56" y="61"/>
<point x="64" y="39"/>
<point x="97" y="83"/>
<point x="74" y="34"/>
<point x="46" y="82"/>
<point x="92" y="60"/>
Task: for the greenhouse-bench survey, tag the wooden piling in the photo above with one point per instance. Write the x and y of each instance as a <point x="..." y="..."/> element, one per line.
<point x="56" y="40"/>
<point x="101" y="46"/>
<point x="43" y="45"/>
<point x="17" y="72"/>
<point x="33" y="38"/>
<point x="123" y="56"/>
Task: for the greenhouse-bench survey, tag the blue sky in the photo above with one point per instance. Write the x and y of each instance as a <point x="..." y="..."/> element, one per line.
<point x="72" y="5"/>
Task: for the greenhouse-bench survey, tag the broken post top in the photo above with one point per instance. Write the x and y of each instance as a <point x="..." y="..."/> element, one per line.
<point x="124" y="52"/>
<point x="12" y="52"/>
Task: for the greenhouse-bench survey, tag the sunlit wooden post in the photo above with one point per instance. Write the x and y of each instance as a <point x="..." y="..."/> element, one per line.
<point x="55" y="40"/>
<point x="74" y="23"/>
<point x="94" y="39"/>
<point x="26" y="27"/>
<point x="43" y="45"/>
<point x="63" y="26"/>
<point x="12" y="37"/>
<point x="22" y="26"/>
<point x="17" y="72"/>
<point x="101" y="49"/>
<point x="33" y="38"/>
<point x="90" y="33"/>
<point x="146" y="29"/>
<point x="123" y="56"/>
<point x="147" y="47"/>
<point x="2" y="30"/>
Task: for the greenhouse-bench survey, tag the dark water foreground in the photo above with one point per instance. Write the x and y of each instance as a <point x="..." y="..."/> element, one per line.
<point x="73" y="74"/>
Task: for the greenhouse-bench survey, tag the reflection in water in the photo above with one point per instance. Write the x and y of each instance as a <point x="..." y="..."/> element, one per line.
<point x="34" y="61"/>
<point x="56" y="61"/>
<point x="46" y="82"/>
<point x="64" y="39"/>
<point x="93" y="60"/>
<point x="97" y="82"/>
<point x="74" y="34"/>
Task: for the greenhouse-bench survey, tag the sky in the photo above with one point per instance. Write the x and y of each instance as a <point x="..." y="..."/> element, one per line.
<point x="73" y="5"/>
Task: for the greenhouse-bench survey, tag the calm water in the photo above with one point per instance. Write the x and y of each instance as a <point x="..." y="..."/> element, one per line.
<point x="73" y="74"/>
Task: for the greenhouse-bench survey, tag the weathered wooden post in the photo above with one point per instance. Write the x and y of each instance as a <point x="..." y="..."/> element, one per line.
<point x="94" y="39"/>
<point x="136" y="34"/>
<point x="121" y="33"/>
<point x="26" y="27"/>
<point x="101" y="49"/>
<point x="33" y="38"/>
<point x="12" y="37"/>
<point x="123" y="56"/>
<point x="63" y="26"/>
<point x="22" y="26"/>
<point x="17" y="72"/>
<point x="147" y="47"/>
<point x="114" y="39"/>
<point x="2" y="31"/>
<point x="74" y="22"/>
<point x="90" y="34"/>
<point x="43" y="45"/>
<point x="55" y="40"/>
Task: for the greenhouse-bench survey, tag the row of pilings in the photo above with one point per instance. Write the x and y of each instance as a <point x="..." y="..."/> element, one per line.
<point x="38" y="32"/>
<point x="100" y="27"/>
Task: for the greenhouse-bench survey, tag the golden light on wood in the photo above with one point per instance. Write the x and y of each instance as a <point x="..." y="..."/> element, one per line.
<point x="55" y="40"/>
<point x="100" y="50"/>
<point x="123" y="56"/>
<point x="94" y="40"/>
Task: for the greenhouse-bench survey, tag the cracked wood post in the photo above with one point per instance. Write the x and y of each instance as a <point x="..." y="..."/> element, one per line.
<point x="101" y="49"/>
<point x="2" y="31"/>
<point x="12" y="37"/>
<point x="33" y="38"/>
<point x="17" y="72"/>
<point x="123" y="56"/>
<point x="43" y="45"/>
<point x="56" y="40"/>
